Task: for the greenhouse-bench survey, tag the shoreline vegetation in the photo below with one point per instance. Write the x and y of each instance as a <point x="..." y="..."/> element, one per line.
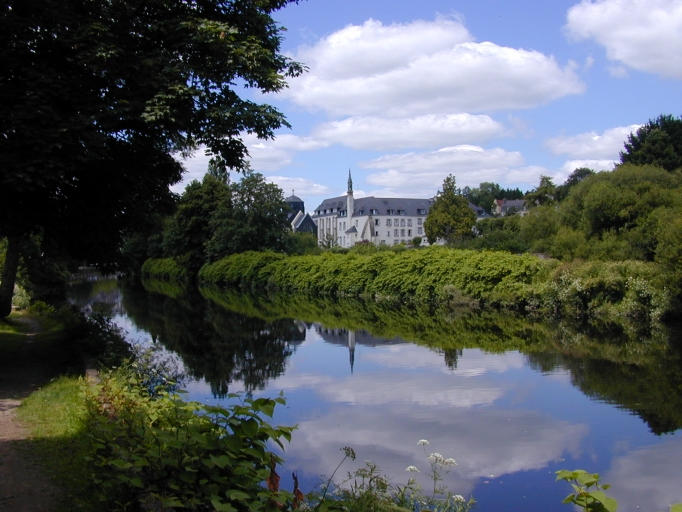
<point x="633" y="297"/>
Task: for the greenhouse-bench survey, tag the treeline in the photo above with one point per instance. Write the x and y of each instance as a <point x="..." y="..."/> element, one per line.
<point x="633" y="212"/>
<point x="629" y="295"/>
<point x="217" y="217"/>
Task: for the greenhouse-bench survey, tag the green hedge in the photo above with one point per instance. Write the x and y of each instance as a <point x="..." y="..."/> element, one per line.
<point x="165" y="269"/>
<point x="608" y="293"/>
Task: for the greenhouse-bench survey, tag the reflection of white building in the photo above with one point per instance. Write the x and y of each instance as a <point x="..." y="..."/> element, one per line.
<point x="345" y="221"/>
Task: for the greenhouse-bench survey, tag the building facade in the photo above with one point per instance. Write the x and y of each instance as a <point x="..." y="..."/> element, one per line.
<point x="344" y="221"/>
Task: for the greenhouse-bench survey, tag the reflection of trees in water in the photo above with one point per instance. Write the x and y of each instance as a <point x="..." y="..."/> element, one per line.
<point x="217" y="345"/>
<point x="653" y="390"/>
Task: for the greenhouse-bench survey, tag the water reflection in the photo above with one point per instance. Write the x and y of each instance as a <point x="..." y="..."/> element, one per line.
<point x="512" y="401"/>
<point x="216" y="345"/>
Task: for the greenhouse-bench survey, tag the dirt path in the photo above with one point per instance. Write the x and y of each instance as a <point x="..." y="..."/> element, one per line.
<point x="24" y="367"/>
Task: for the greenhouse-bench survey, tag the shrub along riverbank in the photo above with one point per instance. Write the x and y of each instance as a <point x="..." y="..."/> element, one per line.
<point x="630" y="295"/>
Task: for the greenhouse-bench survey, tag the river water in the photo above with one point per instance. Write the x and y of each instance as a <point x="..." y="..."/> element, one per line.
<point x="512" y="402"/>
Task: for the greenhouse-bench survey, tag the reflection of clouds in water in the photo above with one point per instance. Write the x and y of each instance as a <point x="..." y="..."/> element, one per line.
<point x="471" y="363"/>
<point x="483" y="443"/>
<point x="648" y="478"/>
<point x="416" y="389"/>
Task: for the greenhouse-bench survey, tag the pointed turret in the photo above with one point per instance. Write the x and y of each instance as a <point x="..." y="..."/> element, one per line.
<point x="350" y="202"/>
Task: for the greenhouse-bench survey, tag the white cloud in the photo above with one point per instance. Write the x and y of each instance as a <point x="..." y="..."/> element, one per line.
<point x="592" y="145"/>
<point x="431" y="130"/>
<point x="270" y="155"/>
<point x="299" y="186"/>
<point x="596" y="165"/>
<point x="420" y="174"/>
<point x="642" y="34"/>
<point x="422" y="67"/>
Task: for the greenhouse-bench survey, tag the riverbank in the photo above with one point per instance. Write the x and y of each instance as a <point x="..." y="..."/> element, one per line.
<point x="633" y="296"/>
<point x="29" y="359"/>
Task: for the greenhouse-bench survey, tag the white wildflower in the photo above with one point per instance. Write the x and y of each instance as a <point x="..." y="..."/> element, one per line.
<point x="412" y="469"/>
<point x="450" y="462"/>
<point x="423" y="442"/>
<point x="458" y="497"/>
<point x="436" y="458"/>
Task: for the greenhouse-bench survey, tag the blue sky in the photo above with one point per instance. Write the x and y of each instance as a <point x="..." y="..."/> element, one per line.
<point x="404" y="93"/>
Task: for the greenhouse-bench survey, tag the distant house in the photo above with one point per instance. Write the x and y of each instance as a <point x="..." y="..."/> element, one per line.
<point x="346" y="221"/>
<point x="503" y="207"/>
<point x="299" y="220"/>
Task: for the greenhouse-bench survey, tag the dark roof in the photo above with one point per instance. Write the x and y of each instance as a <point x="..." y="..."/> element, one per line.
<point x="293" y="199"/>
<point x="381" y="204"/>
<point x="352" y="229"/>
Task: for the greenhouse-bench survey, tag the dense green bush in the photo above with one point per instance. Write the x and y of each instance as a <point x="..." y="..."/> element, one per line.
<point x="153" y="451"/>
<point x="608" y="293"/>
<point x="164" y="268"/>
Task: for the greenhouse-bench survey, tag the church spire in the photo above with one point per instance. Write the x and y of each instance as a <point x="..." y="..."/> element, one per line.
<point x="350" y="184"/>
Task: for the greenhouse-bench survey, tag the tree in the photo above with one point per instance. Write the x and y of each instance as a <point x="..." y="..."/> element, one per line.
<point x="450" y="217"/>
<point x="658" y="142"/>
<point x="575" y="177"/>
<point x="485" y="194"/>
<point x="96" y="97"/>
<point x="544" y="194"/>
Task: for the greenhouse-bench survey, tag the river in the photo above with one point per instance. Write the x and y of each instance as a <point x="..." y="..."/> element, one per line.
<point x="511" y="401"/>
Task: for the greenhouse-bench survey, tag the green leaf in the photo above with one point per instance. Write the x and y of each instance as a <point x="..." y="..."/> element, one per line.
<point x="677" y="507"/>
<point x="237" y="495"/>
<point x="609" y="503"/>
<point x="219" y="506"/>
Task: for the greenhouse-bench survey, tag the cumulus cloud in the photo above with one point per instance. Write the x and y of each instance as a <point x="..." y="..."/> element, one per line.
<point x="421" y="67"/>
<point x="420" y="174"/>
<point x="430" y="130"/>
<point x="298" y="186"/>
<point x="642" y="34"/>
<point x="596" y="165"/>
<point x="592" y="145"/>
<point x="270" y="155"/>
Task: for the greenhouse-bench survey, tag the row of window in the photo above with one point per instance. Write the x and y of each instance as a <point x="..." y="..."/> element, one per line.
<point x="372" y="211"/>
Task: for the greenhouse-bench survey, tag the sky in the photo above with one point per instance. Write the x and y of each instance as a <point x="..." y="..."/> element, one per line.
<point x="403" y="93"/>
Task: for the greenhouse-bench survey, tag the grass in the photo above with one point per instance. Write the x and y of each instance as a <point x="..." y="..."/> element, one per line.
<point x="56" y="416"/>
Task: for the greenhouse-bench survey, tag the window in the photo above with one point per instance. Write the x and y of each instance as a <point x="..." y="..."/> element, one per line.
<point x="421" y="211"/>
<point x="419" y="231"/>
<point x="382" y="242"/>
<point x="402" y="223"/>
<point x="409" y="223"/>
<point x="396" y="222"/>
<point x="388" y="222"/>
<point x="401" y="212"/>
<point x="409" y="232"/>
<point x="388" y="234"/>
<point x="402" y="232"/>
<point x="419" y="221"/>
<point x="356" y="223"/>
<point x="374" y="211"/>
<point x="390" y="211"/>
<point x="362" y="212"/>
<point x="376" y="222"/>
<point x="395" y="232"/>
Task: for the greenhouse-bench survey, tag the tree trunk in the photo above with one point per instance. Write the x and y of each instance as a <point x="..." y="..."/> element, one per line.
<point x="9" y="276"/>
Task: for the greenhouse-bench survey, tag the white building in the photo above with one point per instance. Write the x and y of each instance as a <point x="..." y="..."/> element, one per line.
<point x="344" y="220"/>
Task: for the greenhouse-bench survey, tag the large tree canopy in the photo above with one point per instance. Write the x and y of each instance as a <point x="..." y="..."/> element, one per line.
<point x="96" y="96"/>
<point x="658" y="142"/>
<point x="450" y="217"/>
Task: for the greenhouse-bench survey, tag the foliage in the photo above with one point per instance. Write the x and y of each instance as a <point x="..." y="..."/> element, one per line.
<point x="658" y="142"/>
<point x="450" y="217"/>
<point x="155" y="450"/>
<point x="544" y="194"/>
<point x="485" y="194"/>
<point x="588" y="493"/>
<point x="164" y="269"/>
<point x="97" y="100"/>
<point x="367" y="489"/>
<point x="626" y="295"/>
